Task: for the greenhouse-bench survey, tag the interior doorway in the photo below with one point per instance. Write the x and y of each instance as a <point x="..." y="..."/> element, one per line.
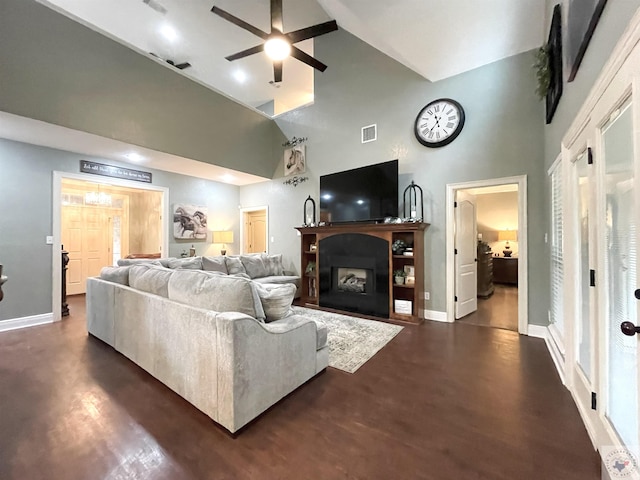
<point x="486" y="253"/>
<point x="100" y="221"/>
<point x="254" y="234"/>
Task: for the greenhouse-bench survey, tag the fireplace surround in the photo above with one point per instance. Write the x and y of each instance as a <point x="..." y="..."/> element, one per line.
<point x="347" y="267"/>
<point x="342" y="257"/>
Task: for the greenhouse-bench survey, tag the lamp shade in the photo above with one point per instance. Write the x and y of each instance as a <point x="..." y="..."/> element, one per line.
<point x="508" y="235"/>
<point x="222" y="236"/>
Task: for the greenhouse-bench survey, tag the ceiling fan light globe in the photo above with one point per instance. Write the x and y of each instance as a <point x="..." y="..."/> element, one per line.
<point x="277" y="48"/>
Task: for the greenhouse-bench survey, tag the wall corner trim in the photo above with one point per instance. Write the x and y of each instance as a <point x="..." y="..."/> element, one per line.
<point x="539" y="331"/>
<point x="435" y="315"/>
<point x="24" y="322"/>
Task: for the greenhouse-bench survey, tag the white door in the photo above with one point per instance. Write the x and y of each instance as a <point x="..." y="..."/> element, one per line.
<point x="620" y="224"/>
<point x="466" y="255"/>
<point x="603" y="362"/>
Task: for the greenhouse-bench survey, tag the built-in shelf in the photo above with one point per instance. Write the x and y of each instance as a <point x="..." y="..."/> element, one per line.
<point x="411" y="233"/>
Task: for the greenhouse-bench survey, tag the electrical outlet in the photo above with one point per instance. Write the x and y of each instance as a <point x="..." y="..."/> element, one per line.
<point x="272" y="239"/>
<point x="427" y="296"/>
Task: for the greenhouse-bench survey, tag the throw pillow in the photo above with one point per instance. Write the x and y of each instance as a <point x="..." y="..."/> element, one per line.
<point x="150" y="279"/>
<point x="254" y="265"/>
<point x="273" y="263"/>
<point x="116" y="274"/>
<point x="214" y="264"/>
<point x="191" y="263"/>
<point x="276" y="299"/>
<point x="215" y="291"/>
<point x="234" y="265"/>
<point x="124" y="262"/>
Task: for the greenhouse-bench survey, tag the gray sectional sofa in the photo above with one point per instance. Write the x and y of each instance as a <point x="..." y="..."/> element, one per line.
<point x="227" y="344"/>
<point x="260" y="267"/>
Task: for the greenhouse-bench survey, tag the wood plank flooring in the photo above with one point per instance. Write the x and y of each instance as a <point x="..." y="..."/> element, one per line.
<point x="440" y="401"/>
<point x="500" y="310"/>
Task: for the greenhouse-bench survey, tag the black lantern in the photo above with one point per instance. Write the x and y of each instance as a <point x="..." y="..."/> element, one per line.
<point x="304" y="218"/>
<point x="412" y="192"/>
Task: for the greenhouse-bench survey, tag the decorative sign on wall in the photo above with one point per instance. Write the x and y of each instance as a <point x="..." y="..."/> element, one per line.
<point x="112" y="171"/>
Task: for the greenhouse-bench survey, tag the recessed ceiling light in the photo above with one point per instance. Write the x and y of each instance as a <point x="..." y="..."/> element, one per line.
<point x="240" y="76"/>
<point x="169" y="32"/>
<point x="134" y="157"/>
<point x="227" y="177"/>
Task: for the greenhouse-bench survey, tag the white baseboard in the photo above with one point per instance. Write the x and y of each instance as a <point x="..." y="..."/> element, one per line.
<point x="435" y="315"/>
<point x="539" y="331"/>
<point x="23" y="322"/>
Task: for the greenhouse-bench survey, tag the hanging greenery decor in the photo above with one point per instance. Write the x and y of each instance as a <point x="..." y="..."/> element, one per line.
<point x="543" y="71"/>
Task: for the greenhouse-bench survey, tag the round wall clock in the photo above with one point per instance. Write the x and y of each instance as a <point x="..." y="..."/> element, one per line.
<point x="439" y="123"/>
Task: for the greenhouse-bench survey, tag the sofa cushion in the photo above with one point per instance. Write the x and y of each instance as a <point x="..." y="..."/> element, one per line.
<point x="150" y="278"/>
<point x="124" y="262"/>
<point x="215" y="291"/>
<point x="254" y="265"/>
<point x="116" y="274"/>
<point x="234" y="265"/>
<point x="214" y="264"/>
<point x="273" y="264"/>
<point x="283" y="279"/>
<point x="191" y="263"/>
<point x="276" y="299"/>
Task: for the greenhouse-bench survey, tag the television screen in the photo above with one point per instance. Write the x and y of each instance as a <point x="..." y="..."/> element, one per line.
<point x="363" y="194"/>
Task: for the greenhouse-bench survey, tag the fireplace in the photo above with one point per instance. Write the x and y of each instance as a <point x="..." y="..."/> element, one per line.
<point x="353" y="280"/>
<point x="354" y="274"/>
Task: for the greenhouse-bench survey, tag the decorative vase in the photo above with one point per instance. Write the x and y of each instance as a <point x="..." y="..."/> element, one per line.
<point x="399" y="280"/>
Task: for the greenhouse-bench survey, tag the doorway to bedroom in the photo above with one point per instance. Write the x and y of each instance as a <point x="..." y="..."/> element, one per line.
<point x="486" y="236"/>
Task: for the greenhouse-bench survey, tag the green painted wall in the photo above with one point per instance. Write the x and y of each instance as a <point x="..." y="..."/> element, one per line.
<point x="503" y="136"/>
<point x="26" y="183"/>
<point x="58" y="71"/>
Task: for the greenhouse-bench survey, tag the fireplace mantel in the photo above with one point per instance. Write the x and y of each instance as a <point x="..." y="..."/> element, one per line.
<point x="411" y="233"/>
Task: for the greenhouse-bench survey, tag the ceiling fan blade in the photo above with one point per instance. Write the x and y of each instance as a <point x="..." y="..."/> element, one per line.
<point x="277" y="72"/>
<point x="308" y="59"/>
<point x="240" y="23"/>
<point x="182" y="66"/>
<point x="246" y="53"/>
<point x="314" y="31"/>
<point x="276" y="16"/>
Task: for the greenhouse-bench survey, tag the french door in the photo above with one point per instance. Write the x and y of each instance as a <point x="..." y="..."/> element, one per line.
<point x="604" y="211"/>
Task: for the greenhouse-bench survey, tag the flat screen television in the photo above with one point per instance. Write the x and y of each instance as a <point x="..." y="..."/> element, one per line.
<point x="365" y="194"/>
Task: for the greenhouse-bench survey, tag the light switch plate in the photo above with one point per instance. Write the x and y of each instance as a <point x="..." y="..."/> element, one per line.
<point x="49" y="240"/>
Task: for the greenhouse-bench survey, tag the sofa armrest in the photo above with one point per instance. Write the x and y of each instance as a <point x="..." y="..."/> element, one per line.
<point x="259" y="364"/>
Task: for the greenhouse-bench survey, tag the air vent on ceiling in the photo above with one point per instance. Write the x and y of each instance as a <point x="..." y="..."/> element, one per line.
<point x="369" y="133"/>
<point x="157" y="6"/>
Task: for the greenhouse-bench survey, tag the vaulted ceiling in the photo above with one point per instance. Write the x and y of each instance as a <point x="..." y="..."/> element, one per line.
<point x="435" y="38"/>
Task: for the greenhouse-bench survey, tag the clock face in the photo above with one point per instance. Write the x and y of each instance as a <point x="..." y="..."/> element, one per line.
<point x="439" y="123"/>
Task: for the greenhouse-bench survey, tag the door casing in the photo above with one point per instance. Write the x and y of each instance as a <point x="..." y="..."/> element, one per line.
<point x="56" y="205"/>
<point x="523" y="255"/>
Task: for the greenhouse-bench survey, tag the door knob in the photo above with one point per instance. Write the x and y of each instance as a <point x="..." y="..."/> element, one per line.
<point x="629" y="328"/>
<point x="637" y="293"/>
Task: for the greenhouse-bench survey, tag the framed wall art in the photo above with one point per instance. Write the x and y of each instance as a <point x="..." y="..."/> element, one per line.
<point x="295" y="160"/>
<point x="189" y="222"/>
<point x="582" y="19"/>
<point x="554" y="52"/>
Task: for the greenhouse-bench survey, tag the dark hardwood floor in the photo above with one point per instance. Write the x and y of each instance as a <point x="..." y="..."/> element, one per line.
<point x="500" y="310"/>
<point x="440" y="401"/>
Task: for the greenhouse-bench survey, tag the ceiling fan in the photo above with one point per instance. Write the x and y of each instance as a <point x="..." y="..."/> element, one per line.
<point x="279" y="45"/>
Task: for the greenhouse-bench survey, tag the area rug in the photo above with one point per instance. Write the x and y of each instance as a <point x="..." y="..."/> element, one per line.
<point x="352" y="341"/>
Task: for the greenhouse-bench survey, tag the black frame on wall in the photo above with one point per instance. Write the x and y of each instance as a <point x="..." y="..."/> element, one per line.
<point x="582" y="18"/>
<point x="554" y="50"/>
